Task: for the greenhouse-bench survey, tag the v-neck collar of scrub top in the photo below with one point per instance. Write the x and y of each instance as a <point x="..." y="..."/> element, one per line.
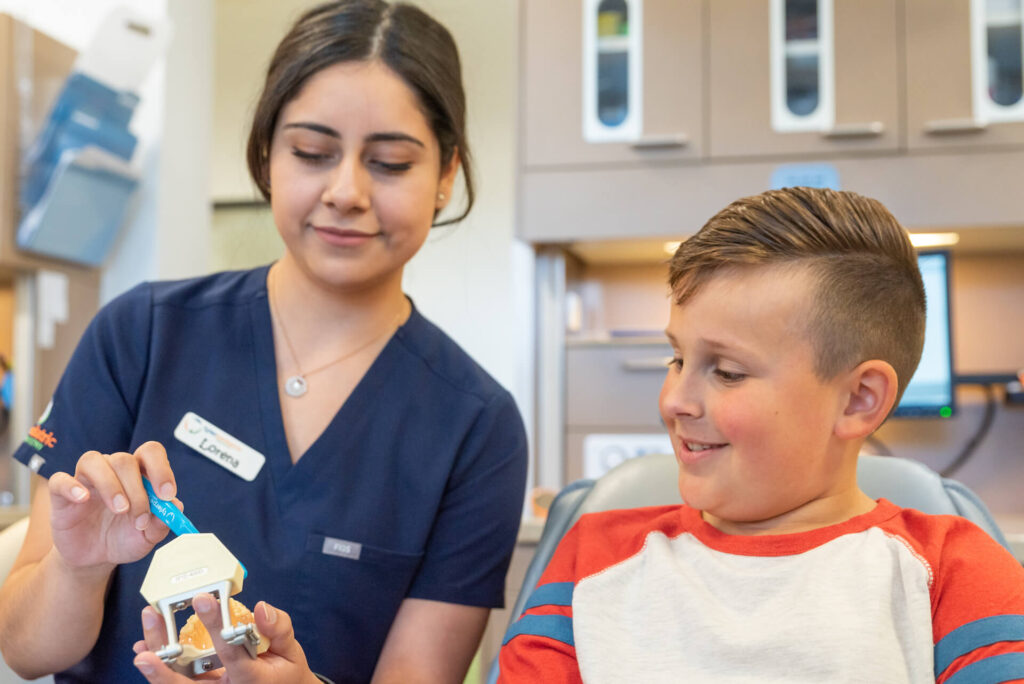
<point x="355" y="410"/>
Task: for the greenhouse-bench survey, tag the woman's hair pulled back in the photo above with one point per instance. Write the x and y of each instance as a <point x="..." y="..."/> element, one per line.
<point x="402" y="37"/>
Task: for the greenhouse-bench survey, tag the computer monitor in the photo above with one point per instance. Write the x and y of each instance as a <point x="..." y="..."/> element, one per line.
<point x="931" y="392"/>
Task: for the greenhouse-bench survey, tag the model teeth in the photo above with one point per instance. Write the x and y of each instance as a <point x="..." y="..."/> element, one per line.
<point x="699" y="447"/>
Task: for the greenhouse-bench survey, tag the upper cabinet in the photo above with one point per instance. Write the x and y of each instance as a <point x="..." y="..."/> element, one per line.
<point x="641" y="118"/>
<point x="964" y="77"/>
<point x="612" y="81"/>
<point x="803" y="76"/>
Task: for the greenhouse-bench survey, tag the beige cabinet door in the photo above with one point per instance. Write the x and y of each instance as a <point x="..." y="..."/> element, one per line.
<point x="940" y="110"/>
<point x="866" y="82"/>
<point x="552" y="86"/>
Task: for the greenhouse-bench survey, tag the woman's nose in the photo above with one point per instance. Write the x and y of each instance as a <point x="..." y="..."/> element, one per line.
<point x="348" y="187"/>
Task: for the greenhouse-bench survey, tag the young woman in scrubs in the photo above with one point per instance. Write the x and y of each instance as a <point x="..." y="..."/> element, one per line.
<point x="362" y="467"/>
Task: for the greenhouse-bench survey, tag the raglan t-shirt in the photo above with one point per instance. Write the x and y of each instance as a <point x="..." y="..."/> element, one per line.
<point x="659" y="595"/>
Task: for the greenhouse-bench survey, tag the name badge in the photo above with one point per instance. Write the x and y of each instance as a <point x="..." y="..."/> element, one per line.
<point x="220" y="447"/>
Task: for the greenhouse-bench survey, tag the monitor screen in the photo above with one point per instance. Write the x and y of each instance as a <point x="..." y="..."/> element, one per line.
<point x="931" y="391"/>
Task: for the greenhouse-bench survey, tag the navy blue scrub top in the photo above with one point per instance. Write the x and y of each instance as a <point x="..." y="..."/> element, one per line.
<point x="422" y="469"/>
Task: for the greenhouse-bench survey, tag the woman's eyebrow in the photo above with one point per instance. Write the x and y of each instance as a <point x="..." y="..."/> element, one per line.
<point x="394" y="137"/>
<point x="386" y="136"/>
<point x="315" y="127"/>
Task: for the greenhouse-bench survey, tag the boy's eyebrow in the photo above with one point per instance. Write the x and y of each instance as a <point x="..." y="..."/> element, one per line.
<point x="387" y="136"/>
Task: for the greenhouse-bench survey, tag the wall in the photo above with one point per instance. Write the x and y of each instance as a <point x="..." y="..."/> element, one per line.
<point x="988" y="322"/>
<point x="475" y="280"/>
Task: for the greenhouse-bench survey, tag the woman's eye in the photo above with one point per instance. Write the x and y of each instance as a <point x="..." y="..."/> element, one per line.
<point x="392" y="167"/>
<point x="675" y="363"/>
<point x="308" y="156"/>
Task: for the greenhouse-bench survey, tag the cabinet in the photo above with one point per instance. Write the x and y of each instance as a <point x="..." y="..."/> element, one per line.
<point x="861" y="88"/>
<point x="611" y="386"/>
<point x="942" y="70"/>
<point x="903" y="129"/>
<point x="552" y="96"/>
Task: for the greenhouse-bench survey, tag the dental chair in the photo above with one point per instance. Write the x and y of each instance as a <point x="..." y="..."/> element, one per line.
<point x="11" y="538"/>
<point x="651" y="480"/>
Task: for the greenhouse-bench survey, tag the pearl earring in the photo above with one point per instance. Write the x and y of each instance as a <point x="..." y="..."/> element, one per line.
<point x="440" y="197"/>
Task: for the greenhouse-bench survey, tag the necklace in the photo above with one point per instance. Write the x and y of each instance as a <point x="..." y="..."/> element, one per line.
<point x="296" y="385"/>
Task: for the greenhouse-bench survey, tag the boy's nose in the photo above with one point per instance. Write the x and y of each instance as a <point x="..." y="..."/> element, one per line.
<point x="348" y="187"/>
<point x="680" y="396"/>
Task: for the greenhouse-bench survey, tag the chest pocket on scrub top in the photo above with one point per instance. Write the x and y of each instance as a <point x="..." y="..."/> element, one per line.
<point x="343" y="576"/>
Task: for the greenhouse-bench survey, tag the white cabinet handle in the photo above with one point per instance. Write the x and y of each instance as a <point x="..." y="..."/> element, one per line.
<point x="944" y="126"/>
<point x="870" y="129"/>
<point x="655" y="142"/>
<point x="650" y="363"/>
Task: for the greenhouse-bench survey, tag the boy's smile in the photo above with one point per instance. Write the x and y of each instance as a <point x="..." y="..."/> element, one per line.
<point x="750" y="421"/>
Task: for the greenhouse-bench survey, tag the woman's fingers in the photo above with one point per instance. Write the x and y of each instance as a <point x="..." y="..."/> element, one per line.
<point x="129" y="474"/>
<point x="154" y="629"/>
<point x="276" y="626"/>
<point x="95" y="470"/>
<point x="154" y="461"/>
<point x="153" y="669"/>
<point x="65" y="489"/>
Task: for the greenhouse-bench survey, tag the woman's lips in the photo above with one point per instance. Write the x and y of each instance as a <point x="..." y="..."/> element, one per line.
<point x="343" y="238"/>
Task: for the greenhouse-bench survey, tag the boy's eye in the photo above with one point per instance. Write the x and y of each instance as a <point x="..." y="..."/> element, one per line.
<point x="729" y="376"/>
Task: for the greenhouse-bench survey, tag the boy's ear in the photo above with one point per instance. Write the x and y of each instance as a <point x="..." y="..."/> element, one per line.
<point x="871" y="388"/>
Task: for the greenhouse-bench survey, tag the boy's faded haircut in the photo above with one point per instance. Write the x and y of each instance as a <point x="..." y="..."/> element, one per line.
<point x="869" y="298"/>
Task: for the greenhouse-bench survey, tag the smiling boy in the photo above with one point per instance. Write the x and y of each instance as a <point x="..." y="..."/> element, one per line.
<point x="797" y="319"/>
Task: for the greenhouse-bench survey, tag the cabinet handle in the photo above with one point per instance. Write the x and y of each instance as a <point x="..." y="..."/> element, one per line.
<point x="655" y="142"/>
<point x="944" y="126"/>
<point x="870" y="129"/>
<point x="651" y="363"/>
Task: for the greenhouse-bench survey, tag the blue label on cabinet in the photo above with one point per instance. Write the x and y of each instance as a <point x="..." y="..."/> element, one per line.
<point x="807" y="175"/>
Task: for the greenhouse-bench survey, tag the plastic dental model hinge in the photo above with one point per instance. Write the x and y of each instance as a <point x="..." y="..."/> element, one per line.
<point x="186" y="566"/>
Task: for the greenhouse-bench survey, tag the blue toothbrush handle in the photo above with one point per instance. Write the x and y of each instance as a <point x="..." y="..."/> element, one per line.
<point x="169" y="515"/>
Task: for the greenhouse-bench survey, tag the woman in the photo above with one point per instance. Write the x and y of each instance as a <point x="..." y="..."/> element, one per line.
<point x="367" y="473"/>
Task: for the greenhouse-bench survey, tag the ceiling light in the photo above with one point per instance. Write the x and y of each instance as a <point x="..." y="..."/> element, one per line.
<point x="934" y="239"/>
<point x="671" y="247"/>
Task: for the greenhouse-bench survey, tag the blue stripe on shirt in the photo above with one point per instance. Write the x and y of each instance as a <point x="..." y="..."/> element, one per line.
<point x="983" y="632"/>
<point x="557" y="627"/>
<point x="551" y="594"/>
<point x="1005" y="667"/>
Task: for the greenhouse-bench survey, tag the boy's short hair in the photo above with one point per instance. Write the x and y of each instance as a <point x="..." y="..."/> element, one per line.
<point x="869" y="302"/>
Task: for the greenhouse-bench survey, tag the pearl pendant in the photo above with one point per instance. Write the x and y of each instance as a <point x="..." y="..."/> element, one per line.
<point x="295" y="386"/>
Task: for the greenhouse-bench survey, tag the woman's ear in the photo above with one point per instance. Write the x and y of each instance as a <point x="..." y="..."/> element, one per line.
<point x="871" y="389"/>
<point x="447" y="181"/>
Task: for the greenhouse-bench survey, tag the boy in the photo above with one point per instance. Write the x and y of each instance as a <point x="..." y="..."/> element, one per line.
<point x="797" y="318"/>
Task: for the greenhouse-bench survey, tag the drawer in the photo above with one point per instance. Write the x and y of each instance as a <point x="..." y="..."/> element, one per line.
<point x="615" y="386"/>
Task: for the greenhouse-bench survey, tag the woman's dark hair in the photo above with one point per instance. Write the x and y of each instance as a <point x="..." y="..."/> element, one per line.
<point x="402" y="37"/>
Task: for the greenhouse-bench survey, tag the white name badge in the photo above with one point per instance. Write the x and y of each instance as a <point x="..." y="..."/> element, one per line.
<point x="220" y="447"/>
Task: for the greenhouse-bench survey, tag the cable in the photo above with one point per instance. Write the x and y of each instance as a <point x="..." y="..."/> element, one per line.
<point x="980" y="434"/>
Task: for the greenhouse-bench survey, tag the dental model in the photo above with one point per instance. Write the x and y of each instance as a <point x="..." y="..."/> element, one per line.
<point x="182" y="568"/>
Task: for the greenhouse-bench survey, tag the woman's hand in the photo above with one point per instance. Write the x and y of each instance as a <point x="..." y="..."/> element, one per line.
<point x="100" y="517"/>
<point x="284" y="662"/>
